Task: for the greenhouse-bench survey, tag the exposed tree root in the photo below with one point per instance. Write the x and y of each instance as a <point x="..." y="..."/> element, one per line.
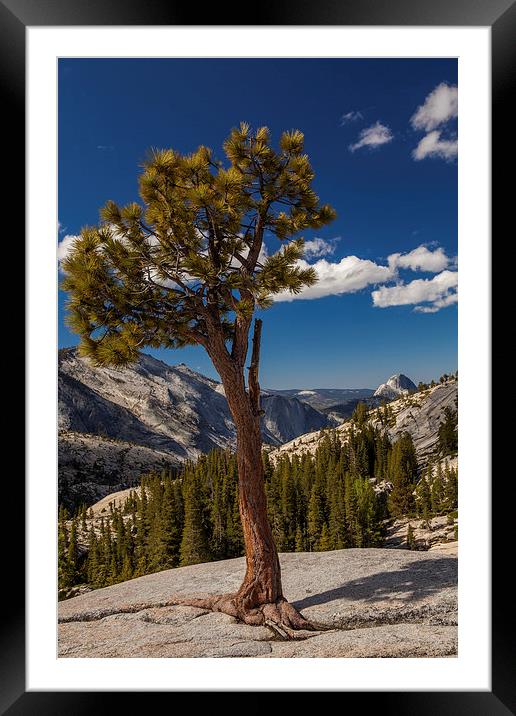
<point x="280" y="616"/>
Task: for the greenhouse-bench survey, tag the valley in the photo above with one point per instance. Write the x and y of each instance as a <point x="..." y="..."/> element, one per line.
<point x="386" y="477"/>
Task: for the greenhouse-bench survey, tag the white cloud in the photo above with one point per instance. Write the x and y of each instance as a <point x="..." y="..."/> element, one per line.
<point x="439" y="107"/>
<point x="319" y="247"/>
<point x="352" y="274"/>
<point x="433" y="146"/>
<point x="350" y="117"/>
<point x="437" y="291"/>
<point x="348" y="275"/>
<point x="373" y="136"/>
<point x="64" y="247"/>
<point x="262" y="256"/>
<point x="448" y="300"/>
<point x="420" y="259"/>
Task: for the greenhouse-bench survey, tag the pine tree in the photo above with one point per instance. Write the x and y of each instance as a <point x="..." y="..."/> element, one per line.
<point x="359" y="416"/>
<point x="402" y="473"/>
<point x="72" y="555"/>
<point x="424" y="503"/>
<point x="194" y="544"/>
<point x="448" y="436"/>
<point x="184" y="267"/>
<point x="92" y="563"/>
<point x="274" y="507"/>
<point x="350" y="508"/>
<point x="288" y="510"/>
<point x="315" y="517"/>
<point x="437" y="491"/>
<point x="337" y="519"/>
<point x="324" y="543"/>
<point x="367" y="530"/>
<point x="218" y="522"/>
<point x="300" y="541"/>
<point x="127" y="568"/>
<point x="62" y="552"/>
<point x="451" y="488"/>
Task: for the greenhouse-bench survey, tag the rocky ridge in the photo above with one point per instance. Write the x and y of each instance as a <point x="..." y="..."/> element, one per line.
<point x="435" y="533"/>
<point x="115" y="424"/>
<point x="419" y="414"/>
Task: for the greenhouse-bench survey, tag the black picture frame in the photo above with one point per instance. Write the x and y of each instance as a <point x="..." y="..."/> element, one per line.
<point x="500" y="16"/>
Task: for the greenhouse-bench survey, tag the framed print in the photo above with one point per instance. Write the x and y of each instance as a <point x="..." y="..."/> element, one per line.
<point x="259" y="455"/>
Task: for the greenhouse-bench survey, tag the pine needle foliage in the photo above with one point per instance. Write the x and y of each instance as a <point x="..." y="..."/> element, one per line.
<point x="185" y="261"/>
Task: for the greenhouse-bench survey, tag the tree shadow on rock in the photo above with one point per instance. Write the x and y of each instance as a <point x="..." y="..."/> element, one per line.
<point x="412" y="583"/>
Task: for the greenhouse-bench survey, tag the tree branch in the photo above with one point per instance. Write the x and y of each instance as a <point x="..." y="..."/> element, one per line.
<point x="254" y="385"/>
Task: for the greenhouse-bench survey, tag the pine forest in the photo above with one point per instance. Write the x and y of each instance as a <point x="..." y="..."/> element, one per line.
<point x="342" y="496"/>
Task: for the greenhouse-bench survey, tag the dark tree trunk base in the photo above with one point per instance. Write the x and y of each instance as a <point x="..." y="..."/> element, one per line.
<point x="280" y="616"/>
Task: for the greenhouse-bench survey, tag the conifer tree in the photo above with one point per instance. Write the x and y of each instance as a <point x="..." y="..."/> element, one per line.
<point x="194" y="543"/>
<point x="300" y="542"/>
<point x="62" y="552"/>
<point x="315" y="518"/>
<point x="351" y="508"/>
<point x="402" y="473"/>
<point x="437" y="494"/>
<point x="92" y="568"/>
<point x="324" y="543"/>
<point x="185" y="267"/>
<point x="366" y="523"/>
<point x="289" y="510"/>
<point x="127" y="568"/>
<point x="337" y="518"/>
<point x="218" y="522"/>
<point x="72" y="555"/>
<point x="359" y="416"/>
<point x="451" y="488"/>
<point x="448" y="436"/>
<point x="424" y="503"/>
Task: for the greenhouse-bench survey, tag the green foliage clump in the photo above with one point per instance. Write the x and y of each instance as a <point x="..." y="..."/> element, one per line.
<point x="437" y="491"/>
<point x="402" y="472"/>
<point x="448" y="434"/>
<point x="186" y="263"/>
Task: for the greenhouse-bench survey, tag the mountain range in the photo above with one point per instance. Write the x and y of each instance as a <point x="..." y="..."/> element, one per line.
<point x="117" y="423"/>
<point x="325" y="398"/>
<point x="419" y="414"/>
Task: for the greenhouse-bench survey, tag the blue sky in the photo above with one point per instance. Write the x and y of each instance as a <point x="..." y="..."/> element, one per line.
<point x="381" y="136"/>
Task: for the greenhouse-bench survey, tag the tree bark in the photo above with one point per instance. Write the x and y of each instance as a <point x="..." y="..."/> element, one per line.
<point x="262" y="581"/>
<point x="259" y="599"/>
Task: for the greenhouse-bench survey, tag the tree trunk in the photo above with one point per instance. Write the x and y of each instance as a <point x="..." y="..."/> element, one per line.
<point x="259" y="599"/>
<point x="262" y="582"/>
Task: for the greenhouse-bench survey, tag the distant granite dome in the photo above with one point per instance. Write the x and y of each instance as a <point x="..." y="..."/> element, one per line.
<point x="397" y="385"/>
